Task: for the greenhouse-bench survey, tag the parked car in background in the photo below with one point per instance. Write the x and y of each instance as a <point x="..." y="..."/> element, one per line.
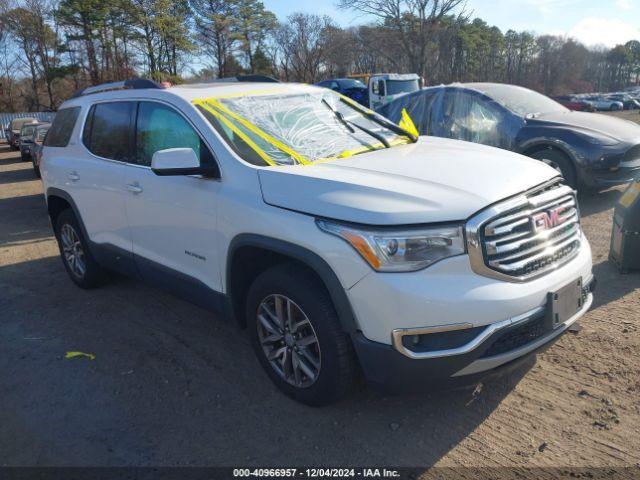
<point x="36" y="149"/>
<point x="13" y="132"/>
<point x="604" y="104"/>
<point x="574" y="103"/>
<point x="27" y="139"/>
<point x="380" y="88"/>
<point x="344" y="243"/>
<point x="628" y="102"/>
<point x="350" y="87"/>
<point x="590" y="150"/>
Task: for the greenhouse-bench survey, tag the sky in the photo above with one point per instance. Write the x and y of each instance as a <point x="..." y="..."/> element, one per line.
<point x="593" y="22"/>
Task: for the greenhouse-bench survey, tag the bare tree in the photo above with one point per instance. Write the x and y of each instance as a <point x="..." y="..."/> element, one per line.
<point x="7" y="68"/>
<point x="414" y="22"/>
<point x="303" y="40"/>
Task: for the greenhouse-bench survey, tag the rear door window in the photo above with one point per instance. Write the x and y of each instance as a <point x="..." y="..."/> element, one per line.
<point x="62" y="127"/>
<point x="108" y="131"/>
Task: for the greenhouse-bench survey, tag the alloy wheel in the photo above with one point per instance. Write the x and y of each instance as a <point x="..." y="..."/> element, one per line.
<point x="288" y="340"/>
<point x="72" y="250"/>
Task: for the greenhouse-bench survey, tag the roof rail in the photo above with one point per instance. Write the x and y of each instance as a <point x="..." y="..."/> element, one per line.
<point x="248" y="78"/>
<point x="134" y="83"/>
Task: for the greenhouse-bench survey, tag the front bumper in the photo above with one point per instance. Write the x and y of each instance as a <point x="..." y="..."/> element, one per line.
<point x="611" y="177"/>
<point x="611" y="167"/>
<point x="493" y="351"/>
<point x="479" y="312"/>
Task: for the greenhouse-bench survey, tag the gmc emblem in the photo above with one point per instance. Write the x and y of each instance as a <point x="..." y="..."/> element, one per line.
<point x="548" y="219"/>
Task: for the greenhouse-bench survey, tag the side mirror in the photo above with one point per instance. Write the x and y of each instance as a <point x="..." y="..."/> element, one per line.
<point x="180" y="161"/>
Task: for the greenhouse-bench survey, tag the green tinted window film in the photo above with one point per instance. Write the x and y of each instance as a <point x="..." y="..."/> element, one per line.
<point x="160" y="127"/>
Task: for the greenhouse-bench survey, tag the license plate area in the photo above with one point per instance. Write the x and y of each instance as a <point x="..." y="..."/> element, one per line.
<point x="564" y="304"/>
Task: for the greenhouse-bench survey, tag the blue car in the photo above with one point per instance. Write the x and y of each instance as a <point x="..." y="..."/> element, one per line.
<point x="349" y="87"/>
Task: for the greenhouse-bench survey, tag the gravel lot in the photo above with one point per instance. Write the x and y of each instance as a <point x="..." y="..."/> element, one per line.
<point x="172" y="385"/>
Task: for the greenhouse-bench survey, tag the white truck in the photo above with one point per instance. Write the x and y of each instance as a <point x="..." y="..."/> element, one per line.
<point x="383" y="88"/>
<point x="341" y="241"/>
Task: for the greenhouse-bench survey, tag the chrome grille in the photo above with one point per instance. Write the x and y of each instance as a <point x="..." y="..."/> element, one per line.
<point x="527" y="235"/>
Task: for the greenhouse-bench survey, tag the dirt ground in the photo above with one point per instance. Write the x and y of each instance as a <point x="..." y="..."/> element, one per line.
<point x="172" y="385"/>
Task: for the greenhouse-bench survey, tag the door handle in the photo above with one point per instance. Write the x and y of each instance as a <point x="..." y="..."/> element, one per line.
<point x="134" y="188"/>
<point x="73" y="176"/>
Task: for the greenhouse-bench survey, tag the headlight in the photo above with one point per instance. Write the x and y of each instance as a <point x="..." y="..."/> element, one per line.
<point x="395" y="250"/>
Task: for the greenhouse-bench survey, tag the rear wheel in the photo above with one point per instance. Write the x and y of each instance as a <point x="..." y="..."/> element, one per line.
<point x="296" y="334"/>
<point x="76" y="257"/>
<point x="560" y="162"/>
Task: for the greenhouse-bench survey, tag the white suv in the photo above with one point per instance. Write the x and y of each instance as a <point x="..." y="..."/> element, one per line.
<point x="341" y="241"/>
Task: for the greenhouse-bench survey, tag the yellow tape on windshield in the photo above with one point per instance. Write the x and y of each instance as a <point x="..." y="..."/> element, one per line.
<point x="358" y="106"/>
<point x="265" y="136"/>
<point x="261" y="153"/>
<point x="364" y="148"/>
<point x="407" y="123"/>
<point x="214" y="107"/>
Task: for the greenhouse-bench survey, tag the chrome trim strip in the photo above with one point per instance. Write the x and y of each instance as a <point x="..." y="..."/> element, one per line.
<point x="484" y="364"/>
<point x="515" y="241"/>
<point x="397" y="334"/>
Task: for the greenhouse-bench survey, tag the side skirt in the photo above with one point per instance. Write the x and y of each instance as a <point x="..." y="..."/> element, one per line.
<point x="164" y="278"/>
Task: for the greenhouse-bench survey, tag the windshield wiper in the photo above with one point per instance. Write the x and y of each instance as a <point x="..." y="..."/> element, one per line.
<point x="349" y="126"/>
<point x="388" y="124"/>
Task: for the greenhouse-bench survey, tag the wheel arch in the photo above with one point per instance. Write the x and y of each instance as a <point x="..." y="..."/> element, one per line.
<point x="57" y="201"/>
<point x="535" y="146"/>
<point x="250" y="254"/>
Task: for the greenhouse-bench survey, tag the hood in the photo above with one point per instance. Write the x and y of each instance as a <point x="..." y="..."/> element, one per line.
<point x="623" y="130"/>
<point x="434" y="180"/>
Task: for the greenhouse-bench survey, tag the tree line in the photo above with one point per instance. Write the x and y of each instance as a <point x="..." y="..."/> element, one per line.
<point x="50" y="48"/>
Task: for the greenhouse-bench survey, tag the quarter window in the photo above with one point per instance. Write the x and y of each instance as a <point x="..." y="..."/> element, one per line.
<point x="107" y="132"/>
<point x="62" y="127"/>
<point x="160" y="127"/>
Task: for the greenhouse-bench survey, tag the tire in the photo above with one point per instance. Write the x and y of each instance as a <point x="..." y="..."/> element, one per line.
<point x="561" y="162"/>
<point x="308" y="300"/>
<point x="72" y="244"/>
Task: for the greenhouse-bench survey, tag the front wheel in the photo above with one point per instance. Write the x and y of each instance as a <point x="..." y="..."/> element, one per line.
<point x="297" y="336"/>
<point x="561" y="163"/>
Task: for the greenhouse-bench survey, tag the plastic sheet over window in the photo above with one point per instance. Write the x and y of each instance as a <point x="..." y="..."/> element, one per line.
<point x="456" y="113"/>
<point x="302" y="127"/>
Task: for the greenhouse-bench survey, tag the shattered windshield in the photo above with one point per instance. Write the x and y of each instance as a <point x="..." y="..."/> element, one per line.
<point x="300" y="127"/>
